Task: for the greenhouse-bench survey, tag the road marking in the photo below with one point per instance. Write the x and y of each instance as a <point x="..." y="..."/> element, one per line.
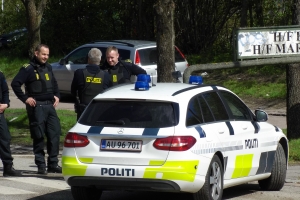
<point x="49" y="183"/>
<point x="11" y="190"/>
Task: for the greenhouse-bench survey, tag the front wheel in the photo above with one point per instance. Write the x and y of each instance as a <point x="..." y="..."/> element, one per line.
<point x="213" y="186"/>
<point x="276" y="181"/>
<point x="90" y="193"/>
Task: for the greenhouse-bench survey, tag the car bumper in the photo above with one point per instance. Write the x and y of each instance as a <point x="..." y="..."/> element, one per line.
<point x="146" y="178"/>
<point x="124" y="184"/>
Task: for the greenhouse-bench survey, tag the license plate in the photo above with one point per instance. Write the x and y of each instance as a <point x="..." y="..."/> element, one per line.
<point x="121" y="145"/>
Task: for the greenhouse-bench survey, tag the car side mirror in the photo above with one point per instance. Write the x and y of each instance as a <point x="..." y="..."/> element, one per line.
<point x="261" y="115"/>
<point x="62" y="61"/>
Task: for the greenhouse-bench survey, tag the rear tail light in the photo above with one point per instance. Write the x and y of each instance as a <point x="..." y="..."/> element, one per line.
<point x="175" y="143"/>
<point x="75" y="140"/>
<point x="137" y="58"/>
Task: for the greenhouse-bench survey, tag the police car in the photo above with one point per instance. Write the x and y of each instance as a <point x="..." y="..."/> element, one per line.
<point x="172" y="137"/>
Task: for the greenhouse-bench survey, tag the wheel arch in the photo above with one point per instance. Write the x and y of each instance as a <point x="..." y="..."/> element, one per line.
<point x="284" y="144"/>
<point x="221" y="157"/>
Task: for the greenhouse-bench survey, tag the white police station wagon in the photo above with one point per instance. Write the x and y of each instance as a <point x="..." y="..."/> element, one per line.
<point x="172" y="137"/>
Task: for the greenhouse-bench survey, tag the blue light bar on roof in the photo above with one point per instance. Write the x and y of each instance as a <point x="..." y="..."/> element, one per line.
<point x="144" y="77"/>
<point x="141" y="86"/>
<point x="196" y="80"/>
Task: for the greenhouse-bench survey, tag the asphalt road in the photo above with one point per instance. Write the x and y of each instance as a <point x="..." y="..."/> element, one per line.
<point x="52" y="186"/>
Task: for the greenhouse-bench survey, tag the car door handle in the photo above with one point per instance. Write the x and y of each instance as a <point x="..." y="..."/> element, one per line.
<point x="245" y="127"/>
<point x="221" y="131"/>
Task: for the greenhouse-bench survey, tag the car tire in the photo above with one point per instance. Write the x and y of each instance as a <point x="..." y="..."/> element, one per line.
<point x="278" y="173"/>
<point x="79" y="193"/>
<point x="213" y="186"/>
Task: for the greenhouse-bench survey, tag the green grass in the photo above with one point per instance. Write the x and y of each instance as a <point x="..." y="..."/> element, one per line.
<point x="254" y="89"/>
<point x="18" y="124"/>
<point x="11" y="64"/>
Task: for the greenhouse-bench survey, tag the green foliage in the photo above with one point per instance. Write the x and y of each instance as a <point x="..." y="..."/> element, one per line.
<point x="210" y="57"/>
<point x="294" y="150"/>
<point x="266" y="70"/>
<point x="18" y="124"/>
<point x="254" y="89"/>
<point x="12" y="16"/>
<point x="10" y="64"/>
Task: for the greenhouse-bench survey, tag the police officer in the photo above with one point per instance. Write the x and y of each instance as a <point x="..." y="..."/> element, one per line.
<point x="119" y="71"/>
<point x="89" y="82"/>
<point x="5" y="136"/>
<point x="41" y="97"/>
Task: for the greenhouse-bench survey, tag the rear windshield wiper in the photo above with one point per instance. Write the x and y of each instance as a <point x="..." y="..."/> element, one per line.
<point x="117" y="122"/>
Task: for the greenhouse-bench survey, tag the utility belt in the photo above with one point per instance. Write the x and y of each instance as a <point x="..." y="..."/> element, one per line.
<point x="44" y="102"/>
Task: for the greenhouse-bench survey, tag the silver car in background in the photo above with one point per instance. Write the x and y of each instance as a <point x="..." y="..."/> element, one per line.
<point x="140" y="52"/>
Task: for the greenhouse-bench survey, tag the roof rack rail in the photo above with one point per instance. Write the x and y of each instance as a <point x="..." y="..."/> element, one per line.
<point x="115" y="41"/>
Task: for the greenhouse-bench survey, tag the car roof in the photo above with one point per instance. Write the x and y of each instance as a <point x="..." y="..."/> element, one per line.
<point x="130" y="43"/>
<point x="161" y="91"/>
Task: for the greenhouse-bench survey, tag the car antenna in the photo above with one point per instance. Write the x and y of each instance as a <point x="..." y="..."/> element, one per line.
<point x="152" y="80"/>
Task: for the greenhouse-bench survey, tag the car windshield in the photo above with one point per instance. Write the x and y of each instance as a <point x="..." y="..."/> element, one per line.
<point x="131" y="114"/>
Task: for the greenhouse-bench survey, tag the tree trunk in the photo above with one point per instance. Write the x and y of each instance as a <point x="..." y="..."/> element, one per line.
<point x="165" y="40"/>
<point x="244" y="14"/>
<point x="293" y="89"/>
<point x="34" y="14"/>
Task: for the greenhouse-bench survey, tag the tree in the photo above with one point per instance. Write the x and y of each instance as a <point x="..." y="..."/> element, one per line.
<point x="165" y="38"/>
<point x="34" y="14"/>
<point x="293" y="89"/>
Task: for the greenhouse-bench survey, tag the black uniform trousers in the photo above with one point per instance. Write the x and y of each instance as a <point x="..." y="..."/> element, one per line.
<point x="5" y="138"/>
<point x="43" y="120"/>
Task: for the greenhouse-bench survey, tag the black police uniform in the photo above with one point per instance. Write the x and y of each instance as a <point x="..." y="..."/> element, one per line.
<point x="41" y="85"/>
<point x="122" y="71"/>
<point x="86" y="84"/>
<point x="5" y="136"/>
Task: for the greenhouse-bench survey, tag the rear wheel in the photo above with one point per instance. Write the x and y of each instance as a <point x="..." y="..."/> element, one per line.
<point x="213" y="186"/>
<point x="276" y="181"/>
<point x="80" y="193"/>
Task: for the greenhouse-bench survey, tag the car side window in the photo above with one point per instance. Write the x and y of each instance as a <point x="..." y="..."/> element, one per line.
<point x="216" y="106"/>
<point x="79" y="56"/>
<point x="124" y="54"/>
<point x="206" y="111"/>
<point x="237" y="108"/>
<point x="194" y="115"/>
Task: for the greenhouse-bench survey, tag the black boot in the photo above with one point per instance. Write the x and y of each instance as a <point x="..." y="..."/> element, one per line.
<point x="10" y="171"/>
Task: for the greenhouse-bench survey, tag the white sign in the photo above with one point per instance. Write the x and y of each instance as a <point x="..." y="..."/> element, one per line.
<point x="268" y="42"/>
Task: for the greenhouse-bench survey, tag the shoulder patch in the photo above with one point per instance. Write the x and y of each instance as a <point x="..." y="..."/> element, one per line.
<point x="26" y="65"/>
<point x="128" y="60"/>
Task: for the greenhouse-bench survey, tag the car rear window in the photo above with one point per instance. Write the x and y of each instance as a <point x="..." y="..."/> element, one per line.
<point x="131" y="114"/>
<point x="149" y="56"/>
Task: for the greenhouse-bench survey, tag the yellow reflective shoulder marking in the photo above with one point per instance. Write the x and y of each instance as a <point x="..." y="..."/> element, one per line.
<point x="37" y="76"/>
<point x="71" y="166"/>
<point x="93" y="80"/>
<point x="128" y="60"/>
<point x="114" y="78"/>
<point x="243" y="165"/>
<point x="26" y="65"/>
<point x="47" y="76"/>
<point x="173" y="170"/>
